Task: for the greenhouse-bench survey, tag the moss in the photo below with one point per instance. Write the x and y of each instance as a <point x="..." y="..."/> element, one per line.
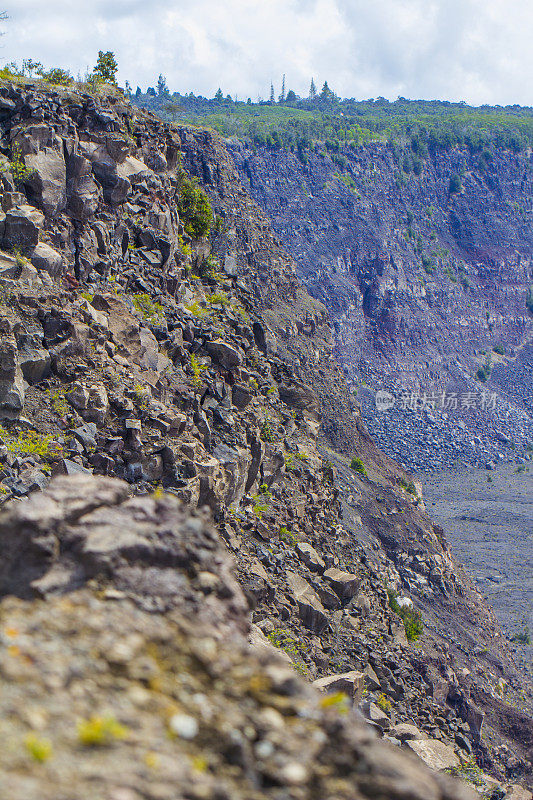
<point x="100" y="731"/>
<point x="39" y="749"/>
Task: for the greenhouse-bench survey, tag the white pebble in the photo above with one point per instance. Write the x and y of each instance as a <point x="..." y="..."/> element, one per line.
<point x="184" y="726"/>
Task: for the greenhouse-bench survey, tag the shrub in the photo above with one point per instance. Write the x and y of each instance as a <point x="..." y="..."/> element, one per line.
<point x="267" y="435"/>
<point x="30" y="443"/>
<point x="411" y="617"/>
<point x="194" y="208"/>
<point x="151" y="311"/>
<point x="288" y="537"/>
<point x="500" y="349"/>
<point x="18" y="168"/>
<point x="384" y="703"/>
<point x="357" y="465"/>
<point x="197" y="369"/>
<point x="522" y="637"/>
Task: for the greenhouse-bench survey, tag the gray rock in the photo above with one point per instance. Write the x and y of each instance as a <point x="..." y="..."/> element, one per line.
<point x="46" y="258"/>
<point x="310" y="557"/>
<point x="436" y="755"/>
<point x="310" y="609"/>
<point x="224" y="354"/>
<point x="345" y="584"/>
<point x="21" y="228"/>
<point x="351" y="683"/>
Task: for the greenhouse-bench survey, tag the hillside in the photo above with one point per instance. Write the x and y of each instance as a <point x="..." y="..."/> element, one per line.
<point x="155" y="335"/>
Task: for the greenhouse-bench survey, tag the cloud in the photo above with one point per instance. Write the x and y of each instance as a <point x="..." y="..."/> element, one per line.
<point x="473" y="50"/>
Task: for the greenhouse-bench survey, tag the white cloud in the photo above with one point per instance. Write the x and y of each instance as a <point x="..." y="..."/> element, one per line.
<point x="475" y="50"/>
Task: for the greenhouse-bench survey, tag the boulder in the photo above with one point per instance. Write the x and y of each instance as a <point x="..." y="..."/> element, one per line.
<point x="298" y="395"/>
<point x="310" y="557"/>
<point x="46" y="258"/>
<point x="42" y="151"/>
<point x="345" y="584"/>
<point x="224" y="354"/>
<point x="351" y="683"/>
<point x="436" y="755"/>
<point x="21" y="228"/>
<point x="34" y="363"/>
<point x="310" y="609"/>
<point x="82" y="191"/>
<point x="406" y="732"/>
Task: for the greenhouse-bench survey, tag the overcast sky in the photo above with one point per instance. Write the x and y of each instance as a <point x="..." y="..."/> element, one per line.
<point x="480" y="51"/>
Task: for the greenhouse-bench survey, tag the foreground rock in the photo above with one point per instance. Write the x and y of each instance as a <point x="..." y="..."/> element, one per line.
<point x="99" y="697"/>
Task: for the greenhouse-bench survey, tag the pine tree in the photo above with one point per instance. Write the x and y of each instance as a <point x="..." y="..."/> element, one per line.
<point x="271" y="92"/>
<point x="282" y="95"/>
<point x="162" y="87"/>
<point x="312" y="90"/>
<point x="219" y="96"/>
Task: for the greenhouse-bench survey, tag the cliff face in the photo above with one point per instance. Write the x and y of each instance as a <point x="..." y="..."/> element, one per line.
<point x="421" y="281"/>
<point x="202" y="367"/>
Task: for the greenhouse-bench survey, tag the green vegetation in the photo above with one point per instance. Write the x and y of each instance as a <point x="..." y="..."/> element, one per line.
<point x="412" y="128"/>
<point x="384" y="703"/>
<point x="529" y="300"/>
<point x="357" y="465"/>
<point x="39" y="749"/>
<point x="409" y="487"/>
<point x="483" y="373"/>
<point x="469" y="772"/>
<point x="522" y="637"/>
<point x="411" y="617"/>
<point x="18" y="168"/>
<point x="30" y="443"/>
<point x="338" y="701"/>
<point x="152" y="312"/>
<point x="455" y="185"/>
<point x="197" y="370"/>
<point x="499" y="349"/>
<point x="106" y="68"/>
<point x="194" y="208"/>
<point x="288" y="537"/>
<point x="267" y="434"/>
<point x="100" y="731"/>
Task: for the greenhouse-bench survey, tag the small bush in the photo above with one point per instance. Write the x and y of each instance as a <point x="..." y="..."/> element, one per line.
<point x="522" y="637"/>
<point x="384" y="703"/>
<point x="500" y="349"/>
<point x="288" y="537"/>
<point x="357" y="465"/>
<point x="18" y="168"/>
<point x="152" y="312"/>
<point x="194" y="209"/>
<point x="411" y="617"/>
<point x="267" y="435"/>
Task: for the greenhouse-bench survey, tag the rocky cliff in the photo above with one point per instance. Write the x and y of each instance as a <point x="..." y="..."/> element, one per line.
<point x="424" y="275"/>
<point x="200" y="367"/>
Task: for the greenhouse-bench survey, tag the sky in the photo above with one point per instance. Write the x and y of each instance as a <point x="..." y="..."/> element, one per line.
<point x="479" y="51"/>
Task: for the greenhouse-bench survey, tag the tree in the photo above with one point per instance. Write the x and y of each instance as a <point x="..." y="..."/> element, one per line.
<point x="138" y="92"/>
<point x="326" y="93"/>
<point x="29" y="66"/>
<point x="106" y="68"/>
<point x="162" y="87"/>
<point x="271" y="92"/>
<point x="219" y="96"/>
<point x="281" y="98"/>
<point x="127" y="88"/>
<point x="312" y="90"/>
<point x="291" y="96"/>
